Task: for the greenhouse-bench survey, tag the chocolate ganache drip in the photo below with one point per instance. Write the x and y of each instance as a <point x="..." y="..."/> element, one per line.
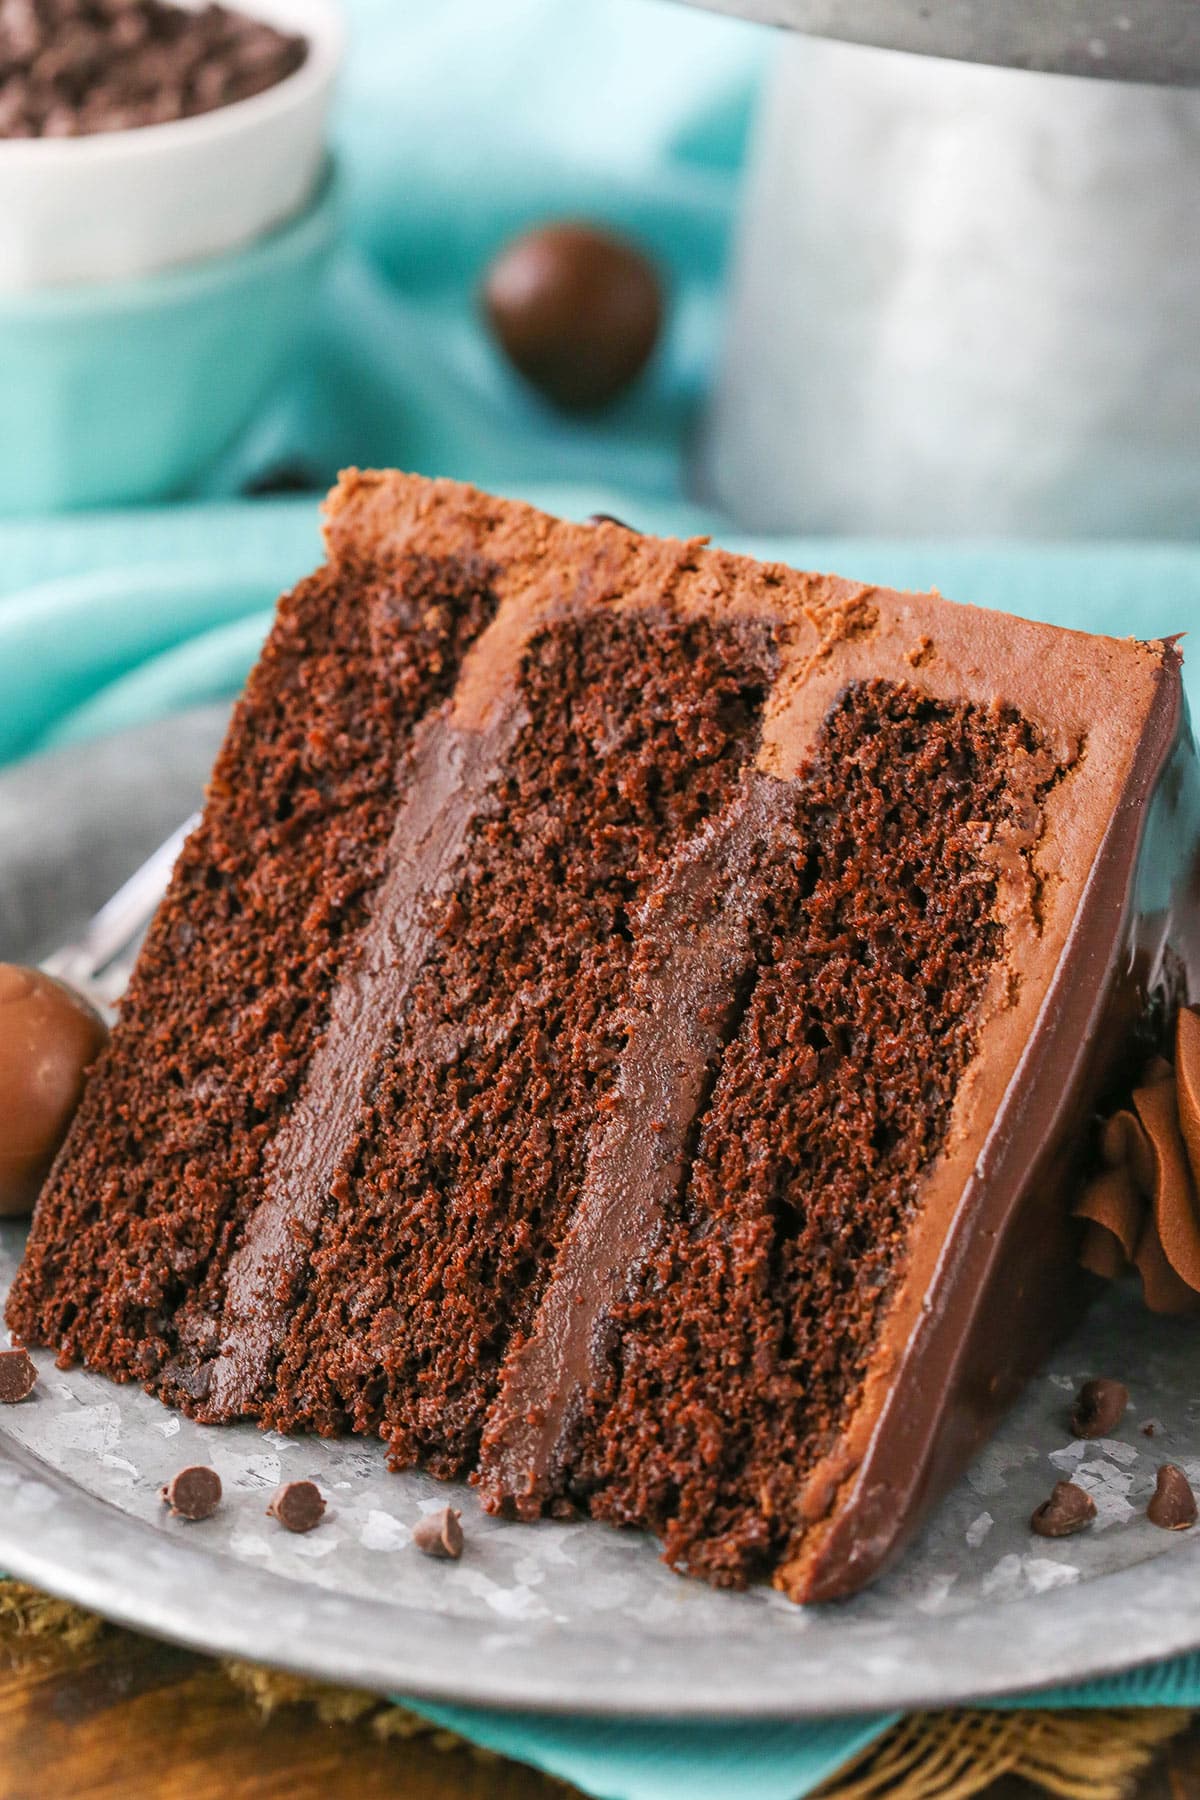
<point x="1143" y="1207"/>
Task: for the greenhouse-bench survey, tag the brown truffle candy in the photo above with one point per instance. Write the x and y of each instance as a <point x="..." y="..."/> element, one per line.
<point x="576" y="310"/>
<point x="49" y="1036"/>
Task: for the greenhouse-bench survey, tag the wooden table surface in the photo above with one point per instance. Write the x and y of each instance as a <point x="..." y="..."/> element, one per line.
<point x="129" y="1719"/>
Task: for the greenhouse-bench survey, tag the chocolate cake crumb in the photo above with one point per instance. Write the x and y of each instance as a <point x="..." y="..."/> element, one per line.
<point x="298" y="1505"/>
<point x="1173" y="1504"/>
<point x="439" y="1534"/>
<point x="18" y="1376"/>
<point x="1099" y="1408"/>
<point x="193" y="1493"/>
<point x="1068" y="1510"/>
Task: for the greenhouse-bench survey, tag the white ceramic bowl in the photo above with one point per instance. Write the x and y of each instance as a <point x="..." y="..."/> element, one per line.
<point x="120" y="204"/>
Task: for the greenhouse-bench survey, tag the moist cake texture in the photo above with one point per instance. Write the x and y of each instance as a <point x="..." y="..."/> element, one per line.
<point x="626" y="1028"/>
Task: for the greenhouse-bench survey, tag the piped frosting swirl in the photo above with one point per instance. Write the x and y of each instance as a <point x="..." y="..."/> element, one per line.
<point x="1143" y="1206"/>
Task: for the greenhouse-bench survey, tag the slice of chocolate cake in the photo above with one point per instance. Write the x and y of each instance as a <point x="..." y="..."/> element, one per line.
<point x="627" y="1029"/>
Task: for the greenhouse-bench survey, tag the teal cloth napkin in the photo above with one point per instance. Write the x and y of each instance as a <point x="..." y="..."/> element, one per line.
<point x="458" y="124"/>
<point x="109" y="620"/>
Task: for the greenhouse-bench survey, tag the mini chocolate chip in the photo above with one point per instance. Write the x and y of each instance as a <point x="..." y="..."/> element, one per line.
<point x="1173" y="1505"/>
<point x="609" y="519"/>
<point x="298" y="1505"/>
<point x="1099" y="1408"/>
<point x="1149" y="1428"/>
<point x="194" y="1493"/>
<point x="440" y="1534"/>
<point x="17" y="1376"/>
<point x="1067" y="1511"/>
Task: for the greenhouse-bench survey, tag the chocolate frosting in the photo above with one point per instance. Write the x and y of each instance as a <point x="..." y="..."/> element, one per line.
<point x="1143" y="1206"/>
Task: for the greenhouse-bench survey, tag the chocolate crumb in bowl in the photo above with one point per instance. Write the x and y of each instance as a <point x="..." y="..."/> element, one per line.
<point x="440" y="1534"/>
<point x="298" y="1505"/>
<point x="1068" y="1510"/>
<point x="82" y="66"/>
<point x="194" y="1493"/>
<point x="1099" y="1408"/>
<point x="1173" y="1505"/>
<point x="18" y="1376"/>
<point x="49" y="1036"/>
<point x="576" y="310"/>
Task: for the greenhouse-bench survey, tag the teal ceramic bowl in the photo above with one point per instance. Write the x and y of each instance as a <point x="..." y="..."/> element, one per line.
<point x="126" y="391"/>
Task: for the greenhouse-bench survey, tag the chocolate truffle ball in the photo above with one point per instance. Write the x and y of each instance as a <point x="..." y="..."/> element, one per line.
<point x="576" y="310"/>
<point x="48" y="1037"/>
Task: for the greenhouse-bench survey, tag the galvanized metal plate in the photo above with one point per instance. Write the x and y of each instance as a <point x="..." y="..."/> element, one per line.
<point x="556" y="1616"/>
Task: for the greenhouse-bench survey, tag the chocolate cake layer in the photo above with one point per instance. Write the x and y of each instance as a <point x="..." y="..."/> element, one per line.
<point x="627" y="1029"/>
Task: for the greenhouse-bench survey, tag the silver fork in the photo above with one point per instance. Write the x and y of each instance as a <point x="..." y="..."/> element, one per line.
<point x="100" y="961"/>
